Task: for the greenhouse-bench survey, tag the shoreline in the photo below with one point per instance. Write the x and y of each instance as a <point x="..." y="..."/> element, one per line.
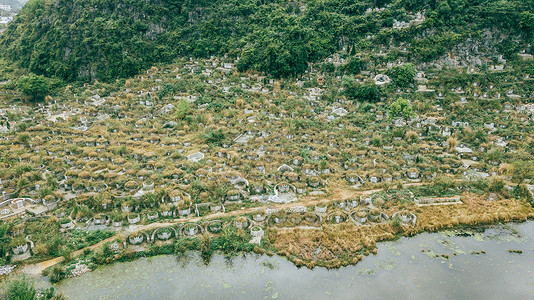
<point x="445" y="259"/>
<point x="460" y="228"/>
<point x="363" y="241"/>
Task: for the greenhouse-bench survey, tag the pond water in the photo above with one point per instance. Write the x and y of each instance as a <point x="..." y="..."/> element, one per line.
<point x="439" y="266"/>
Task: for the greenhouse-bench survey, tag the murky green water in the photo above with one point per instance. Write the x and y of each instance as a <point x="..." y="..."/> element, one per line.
<point x="404" y="269"/>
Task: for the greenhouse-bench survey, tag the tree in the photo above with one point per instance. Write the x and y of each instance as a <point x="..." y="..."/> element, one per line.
<point x="401" y="108"/>
<point x="34" y="86"/>
<point x="527" y="22"/>
<point x="402" y="76"/>
<point x="444" y="10"/>
<point x="368" y="92"/>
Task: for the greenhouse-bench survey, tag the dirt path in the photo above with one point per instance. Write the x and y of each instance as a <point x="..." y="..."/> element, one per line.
<point x="38" y="268"/>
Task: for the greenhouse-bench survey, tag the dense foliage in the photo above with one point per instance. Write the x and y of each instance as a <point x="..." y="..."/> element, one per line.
<point x="361" y="92"/>
<point x="402" y="76"/>
<point x="104" y="40"/>
<point x="34" y="86"/>
<point x="401" y="108"/>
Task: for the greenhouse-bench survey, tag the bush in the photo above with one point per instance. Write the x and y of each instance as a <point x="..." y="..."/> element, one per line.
<point x="56" y="274"/>
<point x="181" y="245"/>
<point x="354" y="66"/>
<point x="522" y="170"/>
<point x="521" y="191"/>
<point x="496" y="185"/>
<point x="231" y="241"/>
<point x="443" y="183"/>
<point x="214" y="137"/>
<point x="18" y="241"/>
<point x="182" y="109"/>
<point x="20" y="289"/>
<point x="362" y="92"/>
<point x="401" y="108"/>
<point x="34" y="86"/>
<point x="402" y="76"/>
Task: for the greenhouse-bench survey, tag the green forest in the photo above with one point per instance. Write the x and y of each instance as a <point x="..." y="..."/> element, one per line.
<point x="88" y="40"/>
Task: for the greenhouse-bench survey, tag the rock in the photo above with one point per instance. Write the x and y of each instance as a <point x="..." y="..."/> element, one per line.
<point x="493" y="197"/>
<point x="4" y="270"/>
<point x="79" y="270"/>
<point x="298" y="209"/>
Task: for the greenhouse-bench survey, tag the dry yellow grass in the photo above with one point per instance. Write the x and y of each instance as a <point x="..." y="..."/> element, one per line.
<point x="476" y="210"/>
<point x="342" y="244"/>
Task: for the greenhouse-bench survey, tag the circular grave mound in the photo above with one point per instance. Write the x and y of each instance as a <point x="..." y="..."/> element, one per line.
<point x="374" y="216"/>
<point x="241" y="223"/>
<point x="340" y="204"/>
<point x="405" y="217"/>
<point x="190" y="229"/>
<point x="366" y="199"/>
<point x="352" y="203"/>
<point x="337" y="217"/>
<point x="259" y="217"/>
<point x="136" y="238"/>
<point x="256" y="231"/>
<point x="195" y="157"/>
<point x="321" y="208"/>
<point x="101" y="219"/>
<point x="284" y="188"/>
<point x="215" y="226"/>
<point x="134" y="218"/>
<point x="311" y="218"/>
<point x="360" y="216"/>
<point x="294" y="218"/>
<point x="165" y="233"/>
<point x="216" y="207"/>
<point x="277" y="218"/>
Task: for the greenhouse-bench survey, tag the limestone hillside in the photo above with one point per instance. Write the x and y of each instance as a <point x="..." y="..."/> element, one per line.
<point x="87" y="40"/>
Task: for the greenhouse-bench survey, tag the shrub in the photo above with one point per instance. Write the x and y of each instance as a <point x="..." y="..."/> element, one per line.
<point x="521" y="191"/>
<point x="401" y="108"/>
<point x="402" y="76"/>
<point x="354" y="66"/>
<point x="34" y="86"/>
<point x="56" y="274"/>
<point x="182" y="109"/>
<point x="18" y="241"/>
<point x="362" y="92"/>
<point x="20" y="289"/>
<point x="214" y="137"/>
<point x="496" y="184"/>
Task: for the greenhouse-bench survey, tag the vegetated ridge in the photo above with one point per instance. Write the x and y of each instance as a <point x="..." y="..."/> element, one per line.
<point x="104" y="40"/>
